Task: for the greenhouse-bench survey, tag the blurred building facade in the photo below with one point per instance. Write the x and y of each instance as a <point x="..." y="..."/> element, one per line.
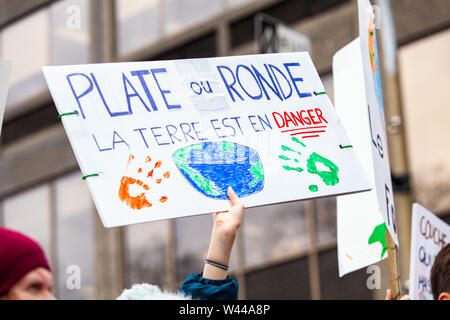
<point x="285" y="251"/>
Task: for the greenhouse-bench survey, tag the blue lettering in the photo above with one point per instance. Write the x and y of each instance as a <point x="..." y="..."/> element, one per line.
<point x="126" y="84"/>
<point x="294" y="80"/>
<point x="186" y="133"/>
<point x="164" y="92"/>
<point x="158" y="135"/>
<point x="112" y="114"/>
<point x="273" y="69"/>
<point x="140" y="74"/>
<point x="197" y="131"/>
<point x="254" y="77"/>
<point x="172" y="134"/>
<point x="272" y="87"/>
<point x="216" y="128"/>
<point x="142" y="135"/>
<point x="230" y="87"/>
<point x="118" y="141"/>
<point x="100" y="149"/>
<point x="85" y="92"/>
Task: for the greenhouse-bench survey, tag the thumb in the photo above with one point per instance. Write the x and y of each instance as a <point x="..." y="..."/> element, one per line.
<point x="234" y="199"/>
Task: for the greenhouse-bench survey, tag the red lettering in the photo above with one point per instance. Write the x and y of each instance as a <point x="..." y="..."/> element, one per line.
<point x="275" y="118"/>
<point x="319" y="115"/>
<point x="312" y="117"/>
<point x="288" y="119"/>
<point x="306" y="120"/>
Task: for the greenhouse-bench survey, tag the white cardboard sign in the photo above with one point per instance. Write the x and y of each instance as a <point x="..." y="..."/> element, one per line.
<point x="167" y="138"/>
<point x="374" y="99"/>
<point x="362" y="219"/>
<point x="5" y="71"/>
<point x="429" y="235"/>
<point x="360" y="225"/>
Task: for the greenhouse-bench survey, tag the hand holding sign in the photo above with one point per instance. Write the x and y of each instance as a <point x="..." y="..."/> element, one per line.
<point x="226" y="225"/>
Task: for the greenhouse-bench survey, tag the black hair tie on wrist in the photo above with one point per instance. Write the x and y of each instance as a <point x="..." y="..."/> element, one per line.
<point x="216" y="264"/>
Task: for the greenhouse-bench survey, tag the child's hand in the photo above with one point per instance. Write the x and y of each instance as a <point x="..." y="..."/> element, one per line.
<point x="228" y="222"/>
<point x="226" y="225"/>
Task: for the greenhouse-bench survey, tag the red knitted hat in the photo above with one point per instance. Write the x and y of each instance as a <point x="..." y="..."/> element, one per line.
<point x="18" y="255"/>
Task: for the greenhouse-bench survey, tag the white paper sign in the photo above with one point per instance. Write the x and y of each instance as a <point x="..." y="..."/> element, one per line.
<point x="360" y="225"/>
<point x="362" y="219"/>
<point x="167" y="138"/>
<point x="374" y="97"/>
<point x="429" y="235"/>
<point x="5" y="70"/>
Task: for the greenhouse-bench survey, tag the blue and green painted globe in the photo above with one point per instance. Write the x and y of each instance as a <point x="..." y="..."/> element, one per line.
<point x="211" y="167"/>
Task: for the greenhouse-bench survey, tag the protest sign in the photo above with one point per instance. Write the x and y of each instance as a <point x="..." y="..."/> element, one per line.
<point x="429" y="235"/>
<point x="374" y="103"/>
<point x="164" y="139"/>
<point x="363" y="219"/>
<point x="5" y="70"/>
<point x="360" y="225"/>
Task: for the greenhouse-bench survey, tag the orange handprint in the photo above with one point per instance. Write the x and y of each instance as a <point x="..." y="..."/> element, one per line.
<point x="140" y="201"/>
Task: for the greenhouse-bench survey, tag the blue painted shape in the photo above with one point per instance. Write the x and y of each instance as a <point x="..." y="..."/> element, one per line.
<point x="211" y="167"/>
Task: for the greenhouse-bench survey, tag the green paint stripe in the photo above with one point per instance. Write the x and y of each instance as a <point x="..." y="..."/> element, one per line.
<point x="67" y="114"/>
<point x="289" y="168"/>
<point x="298" y="141"/>
<point x="286" y="148"/>
<point x="90" y="175"/>
<point x="284" y="157"/>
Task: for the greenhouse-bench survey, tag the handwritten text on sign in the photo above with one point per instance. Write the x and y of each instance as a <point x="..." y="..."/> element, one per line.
<point x="429" y="235"/>
<point x="168" y="137"/>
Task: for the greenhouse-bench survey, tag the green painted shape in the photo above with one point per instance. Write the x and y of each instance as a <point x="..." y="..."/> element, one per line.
<point x="228" y="146"/>
<point x="379" y="235"/>
<point x="286" y="148"/>
<point x="313" y="188"/>
<point x="330" y="178"/>
<point x="298" y="141"/>
<point x="284" y="157"/>
<point x="289" y="168"/>
<point x="205" y="184"/>
<point x="257" y="170"/>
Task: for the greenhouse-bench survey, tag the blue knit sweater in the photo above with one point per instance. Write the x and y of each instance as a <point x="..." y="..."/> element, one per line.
<point x="200" y="288"/>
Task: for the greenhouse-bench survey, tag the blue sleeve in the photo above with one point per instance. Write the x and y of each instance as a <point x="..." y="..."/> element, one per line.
<point x="206" y="289"/>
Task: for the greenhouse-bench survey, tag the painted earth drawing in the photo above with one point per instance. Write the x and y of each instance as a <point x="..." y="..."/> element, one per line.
<point x="211" y="167"/>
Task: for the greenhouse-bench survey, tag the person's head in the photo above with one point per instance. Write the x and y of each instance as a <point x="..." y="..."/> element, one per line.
<point x="24" y="271"/>
<point x="440" y="275"/>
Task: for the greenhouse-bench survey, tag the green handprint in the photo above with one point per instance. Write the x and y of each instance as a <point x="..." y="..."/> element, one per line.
<point x="379" y="235"/>
<point x="330" y="178"/>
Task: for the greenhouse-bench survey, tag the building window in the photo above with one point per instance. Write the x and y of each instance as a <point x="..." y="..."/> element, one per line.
<point x="139" y="23"/>
<point x="145" y="253"/>
<point x="192" y="241"/>
<point x="75" y="237"/>
<point x="326" y="223"/>
<point x="27" y="44"/>
<point x="425" y="81"/>
<point x="29" y="212"/>
<point x="49" y="36"/>
<point x="274" y="232"/>
<point x="70" y="38"/>
<point x="180" y="14"/>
